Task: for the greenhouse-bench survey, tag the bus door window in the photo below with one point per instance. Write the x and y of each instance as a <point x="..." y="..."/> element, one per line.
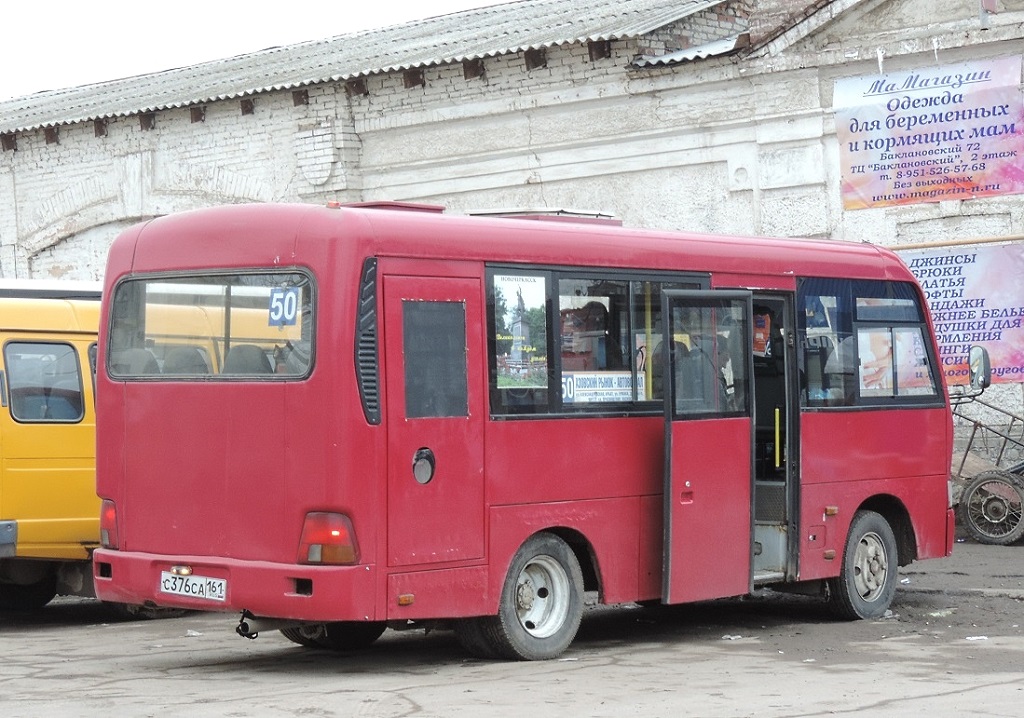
<point x="436" y="373"/>
<point x="708" y="347"/>
<point x="770" y="402"/>
<point x="45" y="382"/>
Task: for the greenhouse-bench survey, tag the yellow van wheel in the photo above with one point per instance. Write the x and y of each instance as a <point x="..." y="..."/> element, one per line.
<point x="27" y="597"/>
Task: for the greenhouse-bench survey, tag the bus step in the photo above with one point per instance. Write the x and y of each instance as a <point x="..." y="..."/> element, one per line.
<point x="762" y="577"/>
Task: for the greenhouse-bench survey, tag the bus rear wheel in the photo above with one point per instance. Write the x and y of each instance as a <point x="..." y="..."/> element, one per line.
<point x="867" y="580"/>
<point x="338" y="636"/>
<point x="991" y="508"/>
<point x="541" y="604"/>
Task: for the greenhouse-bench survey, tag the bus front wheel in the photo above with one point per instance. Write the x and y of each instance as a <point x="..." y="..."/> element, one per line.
<point x="541" y="603"/>
<point x="867" y="580"/>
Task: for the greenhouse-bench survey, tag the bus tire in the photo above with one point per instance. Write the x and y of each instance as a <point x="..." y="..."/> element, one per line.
<point x="148" y="613"/>
<point x="350" y="635"/>
<point x="470" y="633"/>
<point x="866" y="583"/>
<point x="541" y="603"/>
<point x="305" y="635"/>
<point x="27" y="597"/>
<point x="990" y="508"/>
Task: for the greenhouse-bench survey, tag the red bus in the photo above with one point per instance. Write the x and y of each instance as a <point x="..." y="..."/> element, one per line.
<point x="485" y="423"/>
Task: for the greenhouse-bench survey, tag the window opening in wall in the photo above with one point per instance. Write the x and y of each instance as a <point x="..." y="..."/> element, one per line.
<point x="300" y="97"/>
<point x="147" y="121"/>
<point x="52" y="136"/>
<point x="356" y="87"/>
<point x="414" y="78"/>
<point x="473" y="69"/>
<point x="99" y="128"/>
<point x="536" y="58"/>
<point x="198" y="114"/>
<point x="247" y="105"/>
<point x="599" y="49"/>
<point x="9" y="141"/>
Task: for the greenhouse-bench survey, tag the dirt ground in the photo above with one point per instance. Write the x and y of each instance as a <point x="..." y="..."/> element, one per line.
<point x="952" y="645"/>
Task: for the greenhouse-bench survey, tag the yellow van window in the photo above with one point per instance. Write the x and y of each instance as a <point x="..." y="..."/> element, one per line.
<point x="45" y="382"/>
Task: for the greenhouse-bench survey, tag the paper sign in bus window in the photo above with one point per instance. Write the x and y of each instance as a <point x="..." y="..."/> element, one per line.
<point x="875" y="353"/>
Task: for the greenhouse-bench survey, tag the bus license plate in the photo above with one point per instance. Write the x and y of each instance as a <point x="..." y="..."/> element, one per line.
<point x="213" y="589"/>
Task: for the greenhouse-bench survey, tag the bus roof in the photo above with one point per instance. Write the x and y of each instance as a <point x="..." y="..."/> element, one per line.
<point x="223" y="237"/>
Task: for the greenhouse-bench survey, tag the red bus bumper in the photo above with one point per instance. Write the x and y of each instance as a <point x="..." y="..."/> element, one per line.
<point x="265" y="589"/>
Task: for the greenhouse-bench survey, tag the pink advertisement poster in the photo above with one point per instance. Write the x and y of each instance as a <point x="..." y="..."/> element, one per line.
<point x="976" y="296"/>
<point x="932" y="134"/>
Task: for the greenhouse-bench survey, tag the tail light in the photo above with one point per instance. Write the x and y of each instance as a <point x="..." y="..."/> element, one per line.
<point x="108" y="525"/>
<point x="328" y="538"/>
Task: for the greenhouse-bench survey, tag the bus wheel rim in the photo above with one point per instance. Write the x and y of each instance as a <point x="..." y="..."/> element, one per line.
<point x="870" y="567"/>
<point x="542" y="597"/>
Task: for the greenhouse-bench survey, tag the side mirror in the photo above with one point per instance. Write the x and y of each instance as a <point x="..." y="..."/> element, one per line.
<point x="981" y="369"/>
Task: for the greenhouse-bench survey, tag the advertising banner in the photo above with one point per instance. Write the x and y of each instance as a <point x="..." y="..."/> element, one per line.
<point x="940" y="133"/>
<point x="976" y="296"/>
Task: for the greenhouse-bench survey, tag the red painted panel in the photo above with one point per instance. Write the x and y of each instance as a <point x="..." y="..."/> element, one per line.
<point x="903" y="443"/>
<point x="611" y="527"/>
<point x="708" y="509"/>
<point x="442" y="520"/>
<point x="906" y="462"/>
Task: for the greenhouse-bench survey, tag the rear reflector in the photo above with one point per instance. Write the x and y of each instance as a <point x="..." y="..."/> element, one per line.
<point x="328" y="538"/>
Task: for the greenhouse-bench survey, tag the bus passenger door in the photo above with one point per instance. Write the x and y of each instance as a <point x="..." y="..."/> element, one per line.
<point x="435" y="409"/>
<point x="708" y="440"/>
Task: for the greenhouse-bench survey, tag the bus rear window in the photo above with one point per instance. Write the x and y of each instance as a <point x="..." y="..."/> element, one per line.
<point x="212" y="326"/>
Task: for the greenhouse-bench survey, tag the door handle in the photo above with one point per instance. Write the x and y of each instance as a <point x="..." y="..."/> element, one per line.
<point x="686" y="495"/>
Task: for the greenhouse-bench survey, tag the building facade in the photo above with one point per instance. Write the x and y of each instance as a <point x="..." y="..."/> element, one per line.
<point x="699" y="115"/>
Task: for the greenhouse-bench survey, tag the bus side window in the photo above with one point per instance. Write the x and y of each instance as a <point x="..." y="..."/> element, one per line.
<point x="518" y="329"/>
<point x="863" y="342"/>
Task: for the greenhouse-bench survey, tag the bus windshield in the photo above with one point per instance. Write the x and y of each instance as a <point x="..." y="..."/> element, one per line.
<point x="212" y="325"/>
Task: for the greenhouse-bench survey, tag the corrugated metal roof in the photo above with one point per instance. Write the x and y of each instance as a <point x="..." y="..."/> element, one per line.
<point x="484" y="32"/>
